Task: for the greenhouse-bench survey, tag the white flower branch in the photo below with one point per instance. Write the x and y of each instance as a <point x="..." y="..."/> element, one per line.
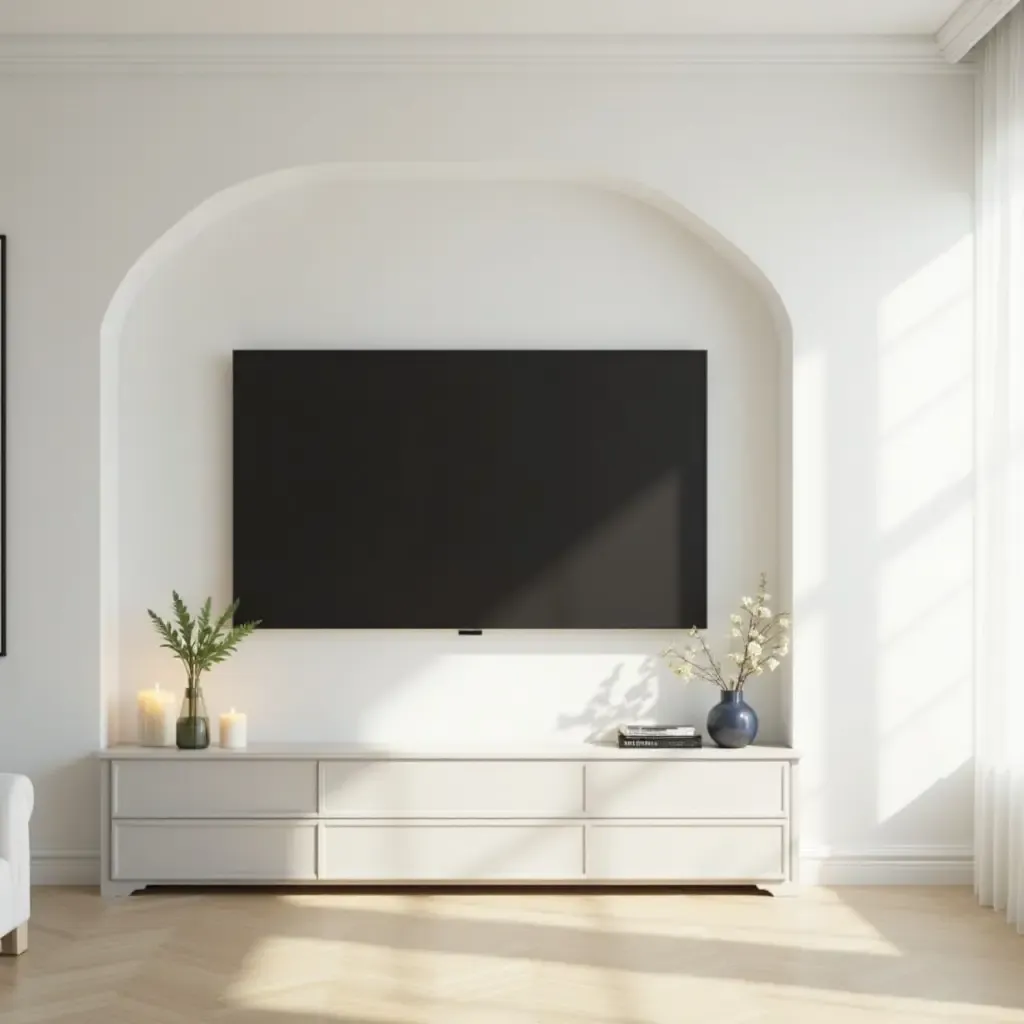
<point x="763" y="634"/>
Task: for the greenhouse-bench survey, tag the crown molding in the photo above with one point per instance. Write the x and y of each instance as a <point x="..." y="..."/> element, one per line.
<point x="482" y="53"/>
<point x="969" y="24"/>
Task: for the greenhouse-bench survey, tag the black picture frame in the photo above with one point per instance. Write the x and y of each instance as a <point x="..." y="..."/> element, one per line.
<point x="3" y="445"/>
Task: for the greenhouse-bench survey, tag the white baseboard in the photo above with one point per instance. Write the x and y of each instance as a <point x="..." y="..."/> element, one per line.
<point x="890" y="865"/>
<point x="65" y="867"/>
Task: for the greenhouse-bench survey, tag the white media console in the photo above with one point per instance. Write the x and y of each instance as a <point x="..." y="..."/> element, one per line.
<point x="575" y="813"/>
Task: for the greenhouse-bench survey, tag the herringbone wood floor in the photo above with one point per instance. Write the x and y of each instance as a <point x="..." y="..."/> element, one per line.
<point x="846" y="956"/>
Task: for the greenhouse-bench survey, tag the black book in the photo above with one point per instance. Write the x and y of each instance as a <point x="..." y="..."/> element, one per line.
<point x="662" y="742"/>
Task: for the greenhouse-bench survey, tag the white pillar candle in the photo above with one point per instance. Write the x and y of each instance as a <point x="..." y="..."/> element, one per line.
<point x="233" y="730"/>
<point x="157" y="718"/>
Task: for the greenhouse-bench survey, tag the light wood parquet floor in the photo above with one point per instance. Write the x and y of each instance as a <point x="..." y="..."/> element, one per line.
<point x="843" y="956"/>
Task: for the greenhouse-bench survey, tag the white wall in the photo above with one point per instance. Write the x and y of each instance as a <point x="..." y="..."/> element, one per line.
<point x="850" y="190"/>
<point x="434" y="264"/>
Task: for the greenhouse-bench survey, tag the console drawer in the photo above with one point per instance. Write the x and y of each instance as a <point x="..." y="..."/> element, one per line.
<point x="179" y="788"/>
<point x="686" y="789"/>
<point x="452" y="789"/>
<point x="454" y="853"/>
<point x="687" y="853"/>
<point x="213" y="851"/>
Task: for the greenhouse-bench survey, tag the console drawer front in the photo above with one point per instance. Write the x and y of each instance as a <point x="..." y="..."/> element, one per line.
<point x="179" y="788"/>
<point x="687" y="853"/>
<point x="686" y="789"/>
<point x="210" y="851"/>
<point x="454" y="853"/>
<point x="451" y="789"/>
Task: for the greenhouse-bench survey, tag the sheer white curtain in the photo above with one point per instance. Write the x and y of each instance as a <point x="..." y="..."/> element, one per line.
<point x="999" y="413"/>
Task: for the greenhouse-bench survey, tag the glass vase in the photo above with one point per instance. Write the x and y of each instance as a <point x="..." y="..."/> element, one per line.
<point x="193" y="729"/>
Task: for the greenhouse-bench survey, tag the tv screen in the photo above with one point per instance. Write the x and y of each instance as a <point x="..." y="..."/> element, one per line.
<point x="470" y="490"/>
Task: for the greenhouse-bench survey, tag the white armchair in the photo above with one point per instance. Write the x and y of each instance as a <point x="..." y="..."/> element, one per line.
<point x="16" y="801"/>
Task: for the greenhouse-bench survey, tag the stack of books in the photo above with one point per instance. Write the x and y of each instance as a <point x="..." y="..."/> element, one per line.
<point x="678" y="736"/>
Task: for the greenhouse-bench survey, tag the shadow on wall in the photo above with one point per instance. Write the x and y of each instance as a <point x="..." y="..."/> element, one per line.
<point x="952" y="791"/>
<point x="615" y="702"/>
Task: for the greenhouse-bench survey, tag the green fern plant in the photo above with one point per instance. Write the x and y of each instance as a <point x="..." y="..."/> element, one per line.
<point x="200" y="642"/>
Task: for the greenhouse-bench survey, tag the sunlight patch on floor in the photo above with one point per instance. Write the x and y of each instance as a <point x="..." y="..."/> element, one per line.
<point x="744" y="920"/>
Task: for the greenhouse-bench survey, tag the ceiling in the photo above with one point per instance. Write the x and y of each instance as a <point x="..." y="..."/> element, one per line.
<point x="691" y="17"/>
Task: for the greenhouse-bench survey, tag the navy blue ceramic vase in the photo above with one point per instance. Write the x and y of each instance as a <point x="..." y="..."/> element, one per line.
<point x="732" y="722"/>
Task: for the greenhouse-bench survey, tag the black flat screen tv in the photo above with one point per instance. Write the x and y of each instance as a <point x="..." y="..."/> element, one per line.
<point x="466" y="490"/>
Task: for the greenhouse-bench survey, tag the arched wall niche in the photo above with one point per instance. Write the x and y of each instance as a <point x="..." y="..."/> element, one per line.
<point x="374" y="687"/>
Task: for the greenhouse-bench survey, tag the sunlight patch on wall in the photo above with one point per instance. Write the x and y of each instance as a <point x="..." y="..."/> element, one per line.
<point x="925" y="530"/>
<point x="925" y="387"/>
<point x="811" y="472"/>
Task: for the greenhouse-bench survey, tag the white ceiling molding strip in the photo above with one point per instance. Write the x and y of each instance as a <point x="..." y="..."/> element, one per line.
<point x="482" y="17"/>
<point x="483" y="53"/>
<point x="969" y="24"/>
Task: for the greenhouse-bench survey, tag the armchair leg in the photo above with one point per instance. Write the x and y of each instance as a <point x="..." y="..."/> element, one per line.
<point x="16" y="942"/>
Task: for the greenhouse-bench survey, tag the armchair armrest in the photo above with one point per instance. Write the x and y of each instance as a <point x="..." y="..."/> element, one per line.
<point x="17" y="798"/>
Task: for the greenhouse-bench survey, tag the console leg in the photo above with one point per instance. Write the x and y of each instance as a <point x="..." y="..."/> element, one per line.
<point x="118" y="890"/>
<point x="783" y="890"/>
<point x="15" y="943"/>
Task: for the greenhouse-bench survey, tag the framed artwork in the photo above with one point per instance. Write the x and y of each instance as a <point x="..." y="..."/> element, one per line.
<point x="3" y="445"/>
